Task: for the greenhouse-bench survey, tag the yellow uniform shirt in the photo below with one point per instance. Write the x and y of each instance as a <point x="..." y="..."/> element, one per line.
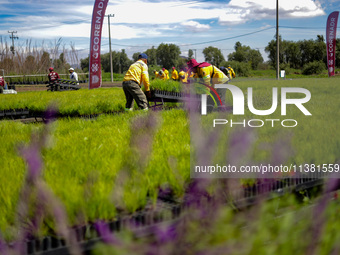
<point x="211" y="75"/>
<point x="138" y="72"/>
<point x="162" y="76"/>
<point x="232" y="73"/>
<point x="174" y="75"/>
<point x="183" y="76"/>
<point x="166" y="74"/>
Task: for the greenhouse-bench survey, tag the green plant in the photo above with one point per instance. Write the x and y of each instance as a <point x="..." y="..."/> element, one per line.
<point x="315" y="67"/>
<point x="240" y="68"/>
<point x="80" y="102"/>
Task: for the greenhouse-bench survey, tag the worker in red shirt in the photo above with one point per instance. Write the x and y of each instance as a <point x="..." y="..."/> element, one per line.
<point x="3" y="84"/>
<point x="53" y="76"/>
<point x="2" y="81"/>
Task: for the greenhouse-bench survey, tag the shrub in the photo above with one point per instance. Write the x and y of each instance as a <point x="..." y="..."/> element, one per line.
<point x="240" y="68"/>
<point x="315" y="67"/>
<point x="286" y="67"/>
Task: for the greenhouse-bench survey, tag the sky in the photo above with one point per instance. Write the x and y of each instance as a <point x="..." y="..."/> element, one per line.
<point x="138" y="25"/>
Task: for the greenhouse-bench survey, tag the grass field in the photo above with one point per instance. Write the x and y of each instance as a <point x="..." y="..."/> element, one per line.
<point x="120" y="161"/>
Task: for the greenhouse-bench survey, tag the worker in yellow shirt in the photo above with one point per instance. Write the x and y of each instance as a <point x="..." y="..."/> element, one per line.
<point x="132" y="82"/>
<point x="162" y="75"/>
<point x="156" y="74"/>
<point x="231" y="71"/>
<point x="225" y="71"/>
<point x="166" y="73"/>
<point x="183" y="76"/>
<point x="211" y="75"/>
<point x="174" y="74"/>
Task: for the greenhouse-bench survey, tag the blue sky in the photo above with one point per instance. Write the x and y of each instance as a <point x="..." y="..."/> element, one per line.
<point x="141" y="24"/>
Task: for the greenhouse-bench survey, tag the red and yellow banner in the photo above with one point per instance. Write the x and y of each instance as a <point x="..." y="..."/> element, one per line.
<point x="331" y="41"/>
<point x="95" y="73"/>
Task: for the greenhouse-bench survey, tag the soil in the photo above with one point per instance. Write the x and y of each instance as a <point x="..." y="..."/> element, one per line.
<point x="23" y="88"/>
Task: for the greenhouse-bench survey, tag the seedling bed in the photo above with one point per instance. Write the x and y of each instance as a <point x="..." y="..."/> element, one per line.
<point x="14" y="114"/>
<point x="62" y="85"/>
<point x="159" y="97"/>
<point x="144" y="223"/>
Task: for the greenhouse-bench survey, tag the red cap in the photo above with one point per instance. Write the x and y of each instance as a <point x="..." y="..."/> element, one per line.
<point x="51" y="68"/>
<point x="192" y="63"/>
<point x="173" y="67"/>
<point x="163" y="68"/>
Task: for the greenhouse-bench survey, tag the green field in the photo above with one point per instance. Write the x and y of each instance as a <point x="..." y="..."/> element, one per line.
<point x="120" y="161"/>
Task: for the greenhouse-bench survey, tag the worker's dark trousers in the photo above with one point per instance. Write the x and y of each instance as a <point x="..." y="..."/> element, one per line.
<point x="132" y="92"/>
<point x="210" y="102"/>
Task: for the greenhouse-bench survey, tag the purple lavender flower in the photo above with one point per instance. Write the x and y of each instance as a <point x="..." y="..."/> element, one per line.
<point x="105" y="234"/>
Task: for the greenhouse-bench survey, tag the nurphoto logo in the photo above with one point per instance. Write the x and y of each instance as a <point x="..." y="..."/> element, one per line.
<point x="239" y="103"/>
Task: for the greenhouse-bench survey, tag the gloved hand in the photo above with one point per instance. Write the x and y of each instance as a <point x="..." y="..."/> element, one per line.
<point x="148" y="94"/>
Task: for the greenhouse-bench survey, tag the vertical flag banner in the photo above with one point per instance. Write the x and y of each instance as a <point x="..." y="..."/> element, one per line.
<point x="95" y="72"/>
<point x="331" y="41"/>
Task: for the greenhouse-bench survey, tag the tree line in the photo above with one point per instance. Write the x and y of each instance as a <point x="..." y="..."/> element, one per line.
<point x="306" y="55"/>
<point x="30" y="58"/>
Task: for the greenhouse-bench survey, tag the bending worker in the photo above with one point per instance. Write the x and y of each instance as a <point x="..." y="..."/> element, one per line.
<point x="166" y="73"/>
<point x="156" y="74"/>
<point x="231" y="71"/>
<point x="133" y="79"/>
<point x="211" y="75"/>
<point x="183" y="75"/>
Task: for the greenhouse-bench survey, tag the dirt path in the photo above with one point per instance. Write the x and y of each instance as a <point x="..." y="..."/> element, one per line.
<point x="23" y="88"/>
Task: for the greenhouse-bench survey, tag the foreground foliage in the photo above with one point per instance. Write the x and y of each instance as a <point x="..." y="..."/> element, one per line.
<point x="119" y="162"/>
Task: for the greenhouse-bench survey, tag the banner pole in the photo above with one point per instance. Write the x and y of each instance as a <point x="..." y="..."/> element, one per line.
<point x="95" y="72"/>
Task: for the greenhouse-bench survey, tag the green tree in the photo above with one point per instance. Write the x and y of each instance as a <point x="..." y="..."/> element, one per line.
<point x="152" y="56"/>
<point x="168" y="55"/>
<point x="297" y="54"/>
<point x="61" y="63"/>
<point x="307" y="51"/>
<point x="213" y="55"/>
<point x="84" y="64"/>
<point x="120" y="62"/>
<point x="124" y="61"/>
<point x="271" y="50"/>
<point x="135" y="56"/>
<point x="293" y="55"/>
<point x="244" y="53"/>
<point x="320" y="53"/>
<point x="337" y="54"/>
<point x="190" y="54"/>
<point x="29" y="64"/>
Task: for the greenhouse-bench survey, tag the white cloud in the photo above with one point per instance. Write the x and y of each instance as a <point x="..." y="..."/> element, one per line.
<point x="241" y="11"/>
<point x="195" y="26"/>
<point x="138" y="18"/>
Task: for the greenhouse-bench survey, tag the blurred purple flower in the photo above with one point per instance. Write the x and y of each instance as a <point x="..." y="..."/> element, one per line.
<point x="105" y="233"/>
<point x="32" y="156"/>
<point x="3" y="247"/>
<point x="165" y="234"/>
<point x="50" y="114"/>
